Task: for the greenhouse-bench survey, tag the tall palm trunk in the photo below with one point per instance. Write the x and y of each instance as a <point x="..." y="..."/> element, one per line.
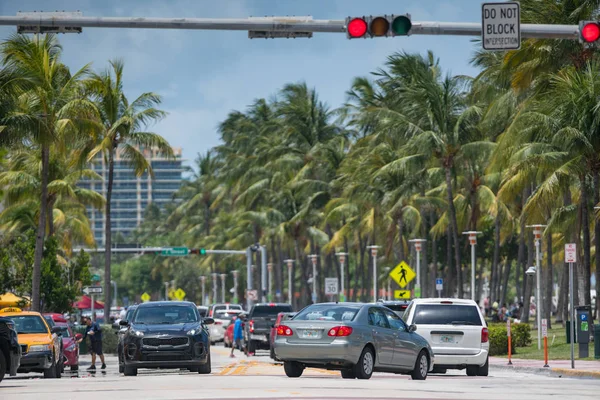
<point x="400" y="222"/>
<point x="41" y="232"/>
<point x="108" y="231"/>
<point x="563" y="293"/>
<point x="454" y="226"/>
<point x="207" y="218"/>
<point x="50" y="213"/>
<point x="585" y="269"/>
<point x="495" y="281"/>
<point x="507" y="267"/>
<point x="597" y="241"/>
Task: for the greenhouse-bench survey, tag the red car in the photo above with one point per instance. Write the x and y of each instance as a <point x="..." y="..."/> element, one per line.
<point x="282" y="316"/>
<point x="70" y="346"/>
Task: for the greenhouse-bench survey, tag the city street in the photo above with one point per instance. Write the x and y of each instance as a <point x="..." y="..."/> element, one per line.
<point x="260" y="378"/>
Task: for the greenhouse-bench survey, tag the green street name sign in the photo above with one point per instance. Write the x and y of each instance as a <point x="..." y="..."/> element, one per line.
<point x="175" y="251"/>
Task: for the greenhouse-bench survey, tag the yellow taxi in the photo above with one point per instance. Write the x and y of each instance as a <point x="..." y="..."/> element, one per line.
<point x="40" y="345"/>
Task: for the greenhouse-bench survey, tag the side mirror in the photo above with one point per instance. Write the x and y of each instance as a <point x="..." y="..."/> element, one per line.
<point x="78" y="336"/>
<point x="412" y="328"/>
<point x="56" y="329"/>
<point x="208" y="321"/>
<point x="123" y="322"/>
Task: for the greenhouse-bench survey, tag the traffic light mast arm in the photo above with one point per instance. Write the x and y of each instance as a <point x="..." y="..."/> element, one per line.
<point x="277" y="24"/>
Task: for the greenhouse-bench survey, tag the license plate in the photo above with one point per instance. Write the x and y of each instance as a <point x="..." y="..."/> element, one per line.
<point x="447" y="339"/>
<point x="311" y="334"/>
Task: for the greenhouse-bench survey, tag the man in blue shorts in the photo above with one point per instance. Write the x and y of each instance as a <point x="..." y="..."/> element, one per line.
<point x="95" y="333"/>
<point x="238" y="334"/>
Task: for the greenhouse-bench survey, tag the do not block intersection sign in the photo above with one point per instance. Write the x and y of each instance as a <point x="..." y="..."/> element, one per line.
<point x="501" y="26"/>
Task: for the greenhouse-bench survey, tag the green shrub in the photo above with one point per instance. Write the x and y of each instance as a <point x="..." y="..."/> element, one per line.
<point x="521" y="334"/>
<point x="109" y="339"/>
<point x="498" y="340"/>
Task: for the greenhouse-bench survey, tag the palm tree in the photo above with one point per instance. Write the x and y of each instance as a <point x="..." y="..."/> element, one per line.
<point x="50" y="108"/>
<point x="123" y="125"/>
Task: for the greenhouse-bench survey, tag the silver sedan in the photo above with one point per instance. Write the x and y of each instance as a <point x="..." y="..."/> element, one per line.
<point x="355" y="338"/>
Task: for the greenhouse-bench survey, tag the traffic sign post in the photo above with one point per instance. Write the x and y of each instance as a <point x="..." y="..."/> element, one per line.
<point x="501" y="26"/>
<point x="252" y="294"/>
<point x="145" y="297"/>
<point x="509" y="334"/>
<point x="439" y="286"/>
<point x="571" y="257"/>
<point x="92" y="290"/>
<point x="402" y="294"/>
<point x="402" y="274"/>
<point x="179" y="294"/>
<point x="331" y="287"/>
<point x="545" y="335"/>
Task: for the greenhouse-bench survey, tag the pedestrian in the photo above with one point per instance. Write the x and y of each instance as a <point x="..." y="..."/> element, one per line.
<point x="237" y="335"/>
<point x="95" y="333"/>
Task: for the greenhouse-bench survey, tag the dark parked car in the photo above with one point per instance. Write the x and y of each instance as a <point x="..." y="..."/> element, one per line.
<point x="261" y="318"/>
<point x="397" y="306"/>
<point x="10" y="351"/>
<point x="166" y="334"/>
<point x="121" y="334"/>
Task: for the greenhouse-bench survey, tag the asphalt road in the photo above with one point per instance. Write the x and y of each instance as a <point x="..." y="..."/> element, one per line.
<point x="260" y="378"/>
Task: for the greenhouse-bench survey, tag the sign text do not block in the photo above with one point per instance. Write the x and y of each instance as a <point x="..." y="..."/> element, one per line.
<point x="501" y="26"/>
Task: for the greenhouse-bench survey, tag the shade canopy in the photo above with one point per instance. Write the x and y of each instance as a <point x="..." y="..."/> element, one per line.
<point x="12" y="300"/>
<point x="86" y="303"/>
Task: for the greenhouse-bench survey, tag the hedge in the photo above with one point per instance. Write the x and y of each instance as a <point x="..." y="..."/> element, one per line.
<point x="499" y="340"/>
<point x="109" y="339"/>
<point x="521" y="334"/>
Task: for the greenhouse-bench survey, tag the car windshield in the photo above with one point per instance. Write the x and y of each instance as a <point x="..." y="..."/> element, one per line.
<point x="29" y="324"/>
<point x="396" y="307"/>
<point x="270" y="311"/>
<point x="227" y="315"/>
<point x="171" y="314"/>
<point x="446" y="314"/>
<point x="326" y="312"/>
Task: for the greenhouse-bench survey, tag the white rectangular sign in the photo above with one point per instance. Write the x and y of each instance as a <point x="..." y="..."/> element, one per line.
<point x="93" y="290"/>
<point x="331" y="286"/>
<point x="570" y="253"/>
<point x="544" y="328"/>
<point x="439" y="284"/>
<point x="501" y="26"/>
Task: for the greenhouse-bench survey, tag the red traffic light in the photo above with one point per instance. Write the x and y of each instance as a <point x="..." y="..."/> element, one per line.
<point x="590" y="32"/>
<point x="357" y="27"/>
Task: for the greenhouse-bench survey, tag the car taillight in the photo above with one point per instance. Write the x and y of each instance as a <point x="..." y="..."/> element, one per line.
<point x="340" y="331"/>
<point x="251" y="326"/>
<point x="283" y="330"/>
<point x="484" y="335"/>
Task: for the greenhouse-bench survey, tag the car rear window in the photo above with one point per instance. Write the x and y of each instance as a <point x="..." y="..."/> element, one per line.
<point x="446" y="314"/>
<point x="265" y="311"/>
<point x="397" y="307"/>
<point x="326" y="312"/>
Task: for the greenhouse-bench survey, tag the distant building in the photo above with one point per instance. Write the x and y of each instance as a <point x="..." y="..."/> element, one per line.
<point x="131" y="195"/>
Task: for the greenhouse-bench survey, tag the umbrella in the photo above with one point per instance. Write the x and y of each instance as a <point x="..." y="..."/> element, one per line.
<point x="12" y="300"/>
<point x="86" y="303"/>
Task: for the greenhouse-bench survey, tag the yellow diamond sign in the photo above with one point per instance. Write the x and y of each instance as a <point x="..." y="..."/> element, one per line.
<point x="402" y="274"/>
<point x="145" y="297"/>
<point x="179" y="294"/>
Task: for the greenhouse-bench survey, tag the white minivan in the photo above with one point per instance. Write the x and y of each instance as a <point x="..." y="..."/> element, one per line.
<point x="456" y="331"/>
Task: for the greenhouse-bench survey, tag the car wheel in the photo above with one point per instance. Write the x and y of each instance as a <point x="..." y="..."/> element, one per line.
<point x="421" y="367"/>
<point x="130" y="371"/>
<point x="293" y="369"/>
<point x="484" y="370"/>
<point x="348" y="374"/>
<point x="59" y="369"/>
<point x="472" y="370"/>
<point x="206" y="368"/>
<point x="251" y="347"/>
<point x="50" y="373"/>
<point x="366" y="363"/>
<point x="2" y="366"/>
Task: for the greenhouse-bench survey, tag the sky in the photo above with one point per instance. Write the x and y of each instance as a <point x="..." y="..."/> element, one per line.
<point x="204" y="75"/>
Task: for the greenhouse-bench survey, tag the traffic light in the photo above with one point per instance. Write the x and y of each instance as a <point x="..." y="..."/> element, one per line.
<point x="202" y="252"/>
<point x="589" y="31"/>
<point x="378" y="26"/>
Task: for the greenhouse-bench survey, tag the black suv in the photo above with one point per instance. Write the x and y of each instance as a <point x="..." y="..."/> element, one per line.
<point x="10" y="351"/>
<point x="166" y="334"/>
<point x="260" y="320"/>
<point x="121" y="334"/>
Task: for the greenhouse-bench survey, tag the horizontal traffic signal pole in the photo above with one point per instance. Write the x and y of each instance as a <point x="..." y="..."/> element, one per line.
<point x="289" y="25"/>
<point x="148" y="250"/>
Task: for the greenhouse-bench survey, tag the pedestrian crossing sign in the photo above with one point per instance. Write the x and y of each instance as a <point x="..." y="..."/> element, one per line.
<point x="402" y="294"/>
<point x="145" y="297"/>
<point x="179" y="294"/>
<point x="402" y="274"/>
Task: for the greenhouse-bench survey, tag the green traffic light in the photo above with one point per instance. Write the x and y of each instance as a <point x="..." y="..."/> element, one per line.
<point x="401" y="25"/>
<point x="203" y="252"/>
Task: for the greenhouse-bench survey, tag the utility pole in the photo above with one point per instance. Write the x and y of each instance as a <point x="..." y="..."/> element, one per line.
<point x="314" y="257"/>
<point x="263" y="273"/>
<point x="374" y="255"/>
<point x="342" y="257"/>
<point x="248" y="278"/>
<point x="418" y="243"/>
<point x="166" y="291"/>
<point x="214" y="289"/>
<point x="473" y="242"/>
<point x="537" y="231"/>
<point x="290" y="263"/>
<point x="203" y="282"/>
<point x="223" y="276"/>
<point x="235" y="286"/>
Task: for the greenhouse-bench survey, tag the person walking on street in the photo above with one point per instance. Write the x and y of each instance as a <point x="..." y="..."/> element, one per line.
<point x="95" y="333"/>
<point x="237" y="335"/>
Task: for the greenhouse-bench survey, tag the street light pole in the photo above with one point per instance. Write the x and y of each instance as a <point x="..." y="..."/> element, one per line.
<point x="473" y="242"/>
<point x="290" y="263"/>
<point x="313" y="257"/>
<point x="215" y="289"/>
<point x="342" y="257"/>
<point x="235" y="286"/>
<point x="374" y="255"/>
<point x="223" y="276"/>
<point x="270" y="289"/>
<point x="537" y="231"/>
<point x="418" y="243"/>
<point x="203" y="282"/>
<point x="166" y="290"/>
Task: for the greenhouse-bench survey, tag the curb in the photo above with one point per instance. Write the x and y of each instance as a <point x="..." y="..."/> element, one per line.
<point x="557" y="372"/>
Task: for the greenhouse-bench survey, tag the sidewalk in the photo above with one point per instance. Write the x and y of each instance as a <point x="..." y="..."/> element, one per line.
<point x="584" y="369"/>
